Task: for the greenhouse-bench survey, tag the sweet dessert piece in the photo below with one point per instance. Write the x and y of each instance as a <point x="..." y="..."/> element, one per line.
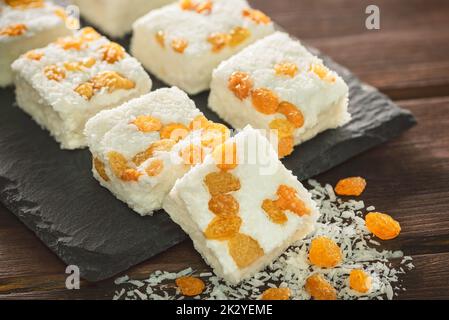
<point x="140" y="148"/>
<point x="64" y="84"/>
<point x="277" y="85"/>
<point x="242" y="207"/>
<point x="116" y="17"/>
<point x="183" y="42"/>
<point x="25" y="25"/>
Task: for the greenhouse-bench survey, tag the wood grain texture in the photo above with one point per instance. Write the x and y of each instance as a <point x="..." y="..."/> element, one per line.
<point x="407" y="58"/>
<point x="408" y="177"/>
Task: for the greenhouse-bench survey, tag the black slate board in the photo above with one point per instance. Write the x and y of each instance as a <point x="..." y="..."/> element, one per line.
<point x="53" y="193"/>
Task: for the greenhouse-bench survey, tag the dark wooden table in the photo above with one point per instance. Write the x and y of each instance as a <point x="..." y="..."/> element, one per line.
<point x="408" y="59"/>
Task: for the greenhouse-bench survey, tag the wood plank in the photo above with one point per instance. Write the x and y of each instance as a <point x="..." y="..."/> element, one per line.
<point x="408" y="177"/>
<point x="406" y="59"/>
<point x="429" y="280"/>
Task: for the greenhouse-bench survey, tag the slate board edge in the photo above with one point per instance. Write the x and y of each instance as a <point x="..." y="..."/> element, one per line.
<point x="25" y="212"/>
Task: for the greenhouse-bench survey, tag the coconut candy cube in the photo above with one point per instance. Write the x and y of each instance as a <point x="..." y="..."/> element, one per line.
<point x="140" y="148"/>
<point x="64" y="84"/>
<point x="277" y="85"/>
<point x="183" y="42"/>
<point x="25" y="25"/>
<point x="242" y="207"/>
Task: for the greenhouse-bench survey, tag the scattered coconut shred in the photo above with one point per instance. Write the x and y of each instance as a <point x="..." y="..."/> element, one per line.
<point x="340" y="220"/>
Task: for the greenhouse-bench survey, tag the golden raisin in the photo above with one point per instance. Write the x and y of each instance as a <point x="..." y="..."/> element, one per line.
<point x="119" y="166"/>
<point x="238" y="36"/>
<point x="382" y="225"/>
<point x="293" y="114"/>
<point x="155" y="168"/>
<point x="256" y="15"/>
<point x="353" y="186"/>
<point x="112" y="81"/>
<point x="179" y="45"/>
<point x="204" y="7"/>
<point x="25" y="4"/>
<point x="214" y="135"/>
<point x="221" y="183"/>
<point x="34" y="55"/>
<point x="200" y="122"/>
<point x="53" y="72"/>
<point x="130" y="175"/>
<point x="162" y="145"/>
<point x="61" y="13"/>
<point x="322" y="72"/>
<point x="118" y="163"/>
<point x="223" y="227"/>
<point x="80" y="65"/>
<point x="244" y="250"/>
<point x="70" y="43"/>
<point x="240" y="84"/>
<point x="218" y="41"/>
<point x="89" y="34"/>
<point x="224" y="204"/>
<point x="190" y="286"/>
<point x="193" y="154"/>
<point x="187" y="5"/>
<point x="276" y="294"/>
<point x="147" y="123"/>
<point x="157" y="146"/>
<point x="160" y="38"/>
<point x="275" y="213"/>
<point x="100" y="168"/>
<point x="283" y="127"/>
<point x="324" y="253"/>
<point x="286" y="69"/>
<point x="218" y="127"/>
<point x="112" y="52"/>
<point x="265" y="101"/>
<point x="360" y="281"/>
<point x="174" y="131"/>
<point x="85" y="90"/>
<point x="319" y="289"/>
<point x="14" y="30"/>
<point x="225" y="156"/>
<point x="286" y="147"/>
<point x="288" y="200"/>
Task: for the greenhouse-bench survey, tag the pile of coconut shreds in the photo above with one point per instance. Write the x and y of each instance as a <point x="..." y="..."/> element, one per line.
<point x="340" y="220"/>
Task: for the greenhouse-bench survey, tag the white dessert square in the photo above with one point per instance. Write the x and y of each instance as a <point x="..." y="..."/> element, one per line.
<point x="64" y="84"/>
<point x="182" y="43"/>
<point x="116" y="17"/>
<point x="142" y="147"/>
<point x="25" y="25"/>
<point x="277" y="84"/>
<point x="242" y="207"/>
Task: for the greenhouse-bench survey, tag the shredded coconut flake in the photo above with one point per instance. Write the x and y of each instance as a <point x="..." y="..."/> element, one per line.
<point x="341" y="221"/>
